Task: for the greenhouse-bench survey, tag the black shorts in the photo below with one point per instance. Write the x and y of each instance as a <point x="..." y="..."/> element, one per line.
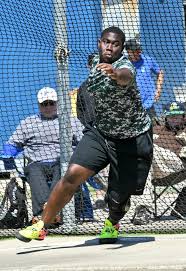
<point x="130" y="159"/>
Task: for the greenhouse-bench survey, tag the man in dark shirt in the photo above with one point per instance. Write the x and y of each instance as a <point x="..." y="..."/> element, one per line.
<point x="120" y="136"/>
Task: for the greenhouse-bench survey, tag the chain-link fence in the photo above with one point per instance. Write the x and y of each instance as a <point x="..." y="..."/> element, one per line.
<point x="47" y="44"/>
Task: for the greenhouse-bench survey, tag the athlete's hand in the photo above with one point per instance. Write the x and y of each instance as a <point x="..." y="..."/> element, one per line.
<point x="122" y="76"/>
<point x="107" y="69"/>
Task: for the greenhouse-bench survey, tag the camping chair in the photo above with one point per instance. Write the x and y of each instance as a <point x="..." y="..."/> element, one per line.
<point x="10" y="165"/>
<point x="14" y="199"/>
<point x="165" y="192"/>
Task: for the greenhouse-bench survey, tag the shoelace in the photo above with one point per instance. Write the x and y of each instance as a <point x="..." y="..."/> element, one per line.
<point x="109" y="229"/>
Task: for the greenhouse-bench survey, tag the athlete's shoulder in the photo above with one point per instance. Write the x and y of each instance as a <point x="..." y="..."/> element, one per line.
<point x="95" y="60"/>
<point x="124" y="62"/>
<point x="83" y="87"/>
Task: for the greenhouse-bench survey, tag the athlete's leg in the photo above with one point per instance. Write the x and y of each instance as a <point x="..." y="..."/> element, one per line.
<point x="89" y="158"/>
<point x="64" y="190"/>
<point x="129" y="168"/>
<point x="130" y="162"/>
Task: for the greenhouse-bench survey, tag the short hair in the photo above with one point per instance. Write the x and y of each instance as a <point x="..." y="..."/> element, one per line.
<point x="116" y="30"/>
<point x="132" y="45"/>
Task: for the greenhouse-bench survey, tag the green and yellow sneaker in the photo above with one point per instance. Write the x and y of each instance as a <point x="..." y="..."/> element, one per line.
<point x="34" y="232"/>
<point x="109" y="234"/>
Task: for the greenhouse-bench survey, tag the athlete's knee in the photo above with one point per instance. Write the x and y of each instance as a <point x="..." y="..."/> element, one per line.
<point x="118" y="202"/>
<point x="77" y="174"/>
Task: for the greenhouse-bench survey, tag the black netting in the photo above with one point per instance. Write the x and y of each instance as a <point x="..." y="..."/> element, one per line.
<point x="47" y="44"/>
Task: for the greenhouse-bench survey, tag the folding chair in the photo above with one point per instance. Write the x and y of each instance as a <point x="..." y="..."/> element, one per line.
<point x="10" y="165"/>
<point x="165" y="192"/>
<point x="16" y="196"/>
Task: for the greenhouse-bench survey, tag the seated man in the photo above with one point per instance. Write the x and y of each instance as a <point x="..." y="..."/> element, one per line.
<point x="38" y="137"/>
<point x="168" y="159"/>
<point x="171" y="139"/>
<point x="168" y="134"/>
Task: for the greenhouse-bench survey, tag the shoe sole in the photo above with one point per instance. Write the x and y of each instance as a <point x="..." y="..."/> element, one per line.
<point x="22" y="238"/>
<point x="25" y="239"/>
<point x="108" y="240"/>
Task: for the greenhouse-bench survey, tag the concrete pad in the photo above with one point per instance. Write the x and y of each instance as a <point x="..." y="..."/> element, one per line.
<point x="147" y="252"/>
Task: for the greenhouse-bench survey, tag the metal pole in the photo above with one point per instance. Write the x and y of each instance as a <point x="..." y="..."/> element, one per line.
<point x="64" y="104"/>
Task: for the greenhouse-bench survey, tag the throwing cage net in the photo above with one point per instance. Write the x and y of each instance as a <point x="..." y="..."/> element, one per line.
<point x="47" y="44"/>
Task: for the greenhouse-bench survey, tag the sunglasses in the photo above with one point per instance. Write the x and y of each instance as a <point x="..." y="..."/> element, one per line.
<point x="48" y="103"/>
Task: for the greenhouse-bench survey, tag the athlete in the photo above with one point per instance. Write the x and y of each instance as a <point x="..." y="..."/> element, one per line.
<point x="120" y="136"/>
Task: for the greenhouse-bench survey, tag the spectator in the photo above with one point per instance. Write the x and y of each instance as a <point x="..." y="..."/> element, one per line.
<point x="171" y="139"/>
<point x="38" y="137"/>
<point x="121" y="137"/>
<point x="169" y="160"/>
<point x="168" y="134"/>
<point x="146" y="66"/>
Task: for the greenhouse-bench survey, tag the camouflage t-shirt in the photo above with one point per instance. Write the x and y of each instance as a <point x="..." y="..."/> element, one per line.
<point x="119" y="111"/>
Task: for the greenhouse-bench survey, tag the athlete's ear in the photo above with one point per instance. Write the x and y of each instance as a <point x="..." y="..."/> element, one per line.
<point x="99" y="43"/>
